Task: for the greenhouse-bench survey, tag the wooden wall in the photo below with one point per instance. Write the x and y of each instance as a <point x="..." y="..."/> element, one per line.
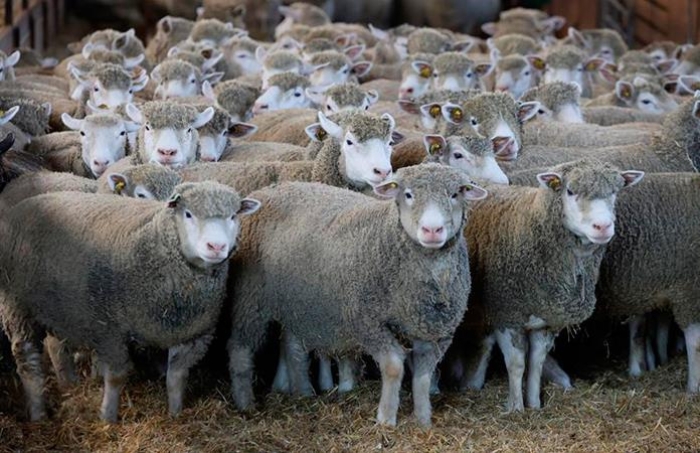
<point x="29" y="23"/>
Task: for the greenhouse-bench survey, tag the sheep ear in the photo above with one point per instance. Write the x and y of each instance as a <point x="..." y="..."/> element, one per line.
<point x="248" y="206"/>
<point x="316" y="95"/>
<point x="173" y="200"/>
<point x="666" y="65"/>
<point x="260" y="53"/>
<point x="696" y="106"/>
<point x="78" y="74"/>
<point x="72" y="123"/>
<point x="595" y="64"/>
<point x="433" y="110"/>
<point x="132" y="62"/>
<point x="286" y="11"/>
<point x="389" y="119"/>
<point x="632" y="177"/>
<point x="372" y="96"/>
<point x="483" y="69"/>
<point x="688" y="84"/>
<point x="13" y="59"/>
<point x="490" y="28"/>
<point x="165" y="25"/>
<point x="527" y="110"/>
<point x="378" y="33"/>
<point x="48" y="108"/>
<point x="214" y="77"/>
<point x="140" y="84"/>
<point x="87" y="50"/>
<point x="624" y="90"/>
<point x="453" y="113"/>
<point x="134" y="113"/>
<point x="409" y="107"/>
<point x="397" y="137"/>
<point x="388" y="189"/>
<point x="200" y="12"/>
<point x="608" y="75"/>
<point x="345" y="40"/>
<point x="550" y="181"/>
<point x="552" y="24"/>
<point x="578" y="38"/>
<point x="7" y="142"/>
<point x="49" y="62"/>
<point x="212" y="61"/>
<point x="435" y="145"/>
<point x="329" y="126"/>
<point x="472" y="192"/>
<point x="361" y="68"/>
<point x="463" y="46"/>
<point x="117" y="183"/>
<point x="8" y="115"/>
<point x="537" y="62"/>
<point x="208" y="91"/>
<point x="240" y="130"/>
<point x="173" y="51"/>
<point x="353" y="52"/>
<point x="422" y="68"/>
<point x="203" y="118"/>
<point x="238" y="11"/>
<point x="315" y="132"/>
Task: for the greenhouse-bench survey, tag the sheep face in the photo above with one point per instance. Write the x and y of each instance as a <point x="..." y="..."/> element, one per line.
<point x="182" y="84"/>
<point x="275" y="98"/>
<point x="208" y="234"/>
<point x="144" y="182"/>
<point x="213" y="141"/>
<point x="416" y="80"/>
<point x="566" y="113"/>
<point x="103" y="139"/>
<point x="645" y="96"/>
<point x="515" y="74"/>
<point x="474" y="155"/>
<point x="431" y="200"/>
<point x="587" y="194"/>
<point x="110" y="86"/>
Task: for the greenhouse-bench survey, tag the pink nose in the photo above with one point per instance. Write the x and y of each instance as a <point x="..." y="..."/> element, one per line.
<point x="382" y="173"/>
<point x="100" y="164"/>
<point x="432" y="234"/>
<point x="213" y="247"/>
<point x="502" y="88"/>
<point x="405" y="93"/>
<point x="167" y="152"/>
<point x="602" y="227"/>
<point x="257" y="108"/>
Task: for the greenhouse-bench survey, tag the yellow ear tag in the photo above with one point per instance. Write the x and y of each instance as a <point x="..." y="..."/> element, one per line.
<point x="434" y="148"/>
<point x="456" y="115"/>
<point x="626" y="93"/>
<point x="393" y="185"/>
<point x="426" y="72"/>
<point x="591" y="66"/>
<point x="695" y="86"/>
<point x="2" y="113"/>
<point x="118" y="187"/>
<point x="103" y="107"/>
<point x="538" y="64"/>
<point x="435" y="111"/>
<point x="321" y="134"/>
<point x="555" y="184"/>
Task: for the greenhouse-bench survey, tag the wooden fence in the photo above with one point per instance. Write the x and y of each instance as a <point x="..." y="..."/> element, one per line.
<point x="30" y="23"/>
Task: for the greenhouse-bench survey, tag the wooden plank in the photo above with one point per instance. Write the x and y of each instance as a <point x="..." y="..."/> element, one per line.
<point x="654" y="15"/>
<point x="50" y="19"/>
<point x="644" y="34"/>
<point x="38" y="26"/>
<point x="23" y="31"/>
<point x="6" y="40"/>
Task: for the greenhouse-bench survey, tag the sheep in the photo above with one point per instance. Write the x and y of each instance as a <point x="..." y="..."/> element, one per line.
<point x="203" y="58"/>
<point x="663" y="50"/>
<point x="673" y="148"/>
<point x="646" y="268"/>
<point x="429" y="106"/>
<point x="168" y="133"/>
<point x="540" y="278"/>
<point x="150" y="182"/>
<point x="345" y="34"/>
<point x="611" y="116"/>
<point x="416" y="75"/>
<point x="342" y="97"/>
<point x="258" y="17"/>
<point x="345" y="327"/>
<point x="286" y="90"/>
<point x="216" y="135"/>
<point x="240" y="56"/>
<point x="29" y="118"/>
<point x="493" y="115"/>
<point x="427" y="40"/>
<point x="568" y="63"/>
<point x="169" y="31"/>
<point x="514" y="44"/>
<point x="317" y="45"/>
<point x="188" y="239"/>
<point x="236" y="98"/>
<point x="332" y="67"/>
<point x="516" y="73"/>
<point x="213" y="32"/>
<point x="455" y="71"/>
<point x="559" y="102"/>
<point x="639" y="93"/>
<point x="109" y="85"/>
<point x="103" y="139"/>
<point x="277" y="62"/>
<point x="300" y="13"/>
<point x="14" y="164"/>
<point x="175" y="78"/>
<point x="529" y="22"/>
<point x="7" y="65"/>
<point x="604" y="43"/>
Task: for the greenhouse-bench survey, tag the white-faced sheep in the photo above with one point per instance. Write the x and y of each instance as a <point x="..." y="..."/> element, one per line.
<point x="427" y="216"/>
<point x="638" y="93"/>
<point x="286" y="90"/>
<point x="176" y="78"/>
<point x="186" y="241"/>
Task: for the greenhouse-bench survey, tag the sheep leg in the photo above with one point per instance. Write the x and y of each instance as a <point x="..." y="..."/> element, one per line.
<point x="114" y="379"/>
<point x="28" y="360"/>
<point x="62" y="361"/>
<point x="552" y="372"/>
<point x="474" y="378"/>
<point x="692" y="346"/>
<point x="391" y="366"/>
<point x="325" y="375"/>
<point x="541" y="341"/>
<point x="346" y="374"/>
<point x="425" y="359"/>
<point x="298" y="363"/>
<point x="281" y="381"/>
<point x="513" y="344"/>
<point x="181" y="359"/>
<point x="241" y="370"/>
<point x="649" y="347"/>
<point x="636" y="359"/>
<point x="663" y="327"/>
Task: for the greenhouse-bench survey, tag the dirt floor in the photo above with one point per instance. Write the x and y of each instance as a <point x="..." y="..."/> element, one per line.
<point x="609" y="413"/>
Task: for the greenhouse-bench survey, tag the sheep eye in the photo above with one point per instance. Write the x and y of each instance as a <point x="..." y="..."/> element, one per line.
<point x="189" y="131"/>
<point x="646" y="101"/>
<point x="224" y="132"/>
<point x="366" y="107"/>
<point x="409" y="196"/>
<point x="297" y="94"/>
<point x="233" y="217"/>
<point x="188" y="215"/>
<point x="569" y="192"/>
<point x="540" y="112"/>
<point x="469" y="75"/>
<point x="193" y="81"/>
<point x="348" y="142"/>
<point x="454" y="196"/>
<point x="148" y="128"/>
<point x="458" y="155"/>
<point x="140" y="195"/>
<point x="122" y="133"/>
<point x="82" y="133"/>
<point x="527" y="73"/>
<point x="328" y="107"/>
<point x="97" y="89"/>
<point x="474" y="122"/>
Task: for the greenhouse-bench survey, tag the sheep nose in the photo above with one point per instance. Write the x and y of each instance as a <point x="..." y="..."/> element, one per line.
<point x="432" y="231"/>
<point x="405" y="93"/>
<point x="257" y="108"/>
<point x="215" y="247"/>
<point x="101" y="164"/>
<point x="602" y="227"/>
<point x="382" y="173"/>
<point x="167" y="152"/>
<point x="502" y="88"/>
